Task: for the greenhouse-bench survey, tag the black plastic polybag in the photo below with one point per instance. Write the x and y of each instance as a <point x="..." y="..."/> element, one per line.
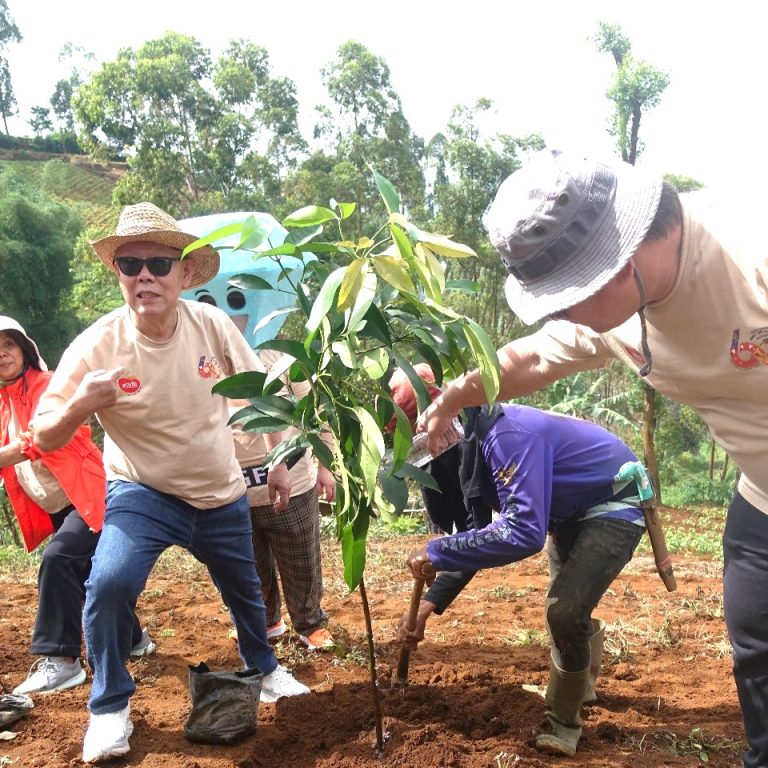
<point x="13" y="706"/>
<point x="224" y="704"/>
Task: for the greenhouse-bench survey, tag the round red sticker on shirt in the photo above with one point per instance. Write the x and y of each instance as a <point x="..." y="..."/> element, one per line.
<point x="129" y="384"/>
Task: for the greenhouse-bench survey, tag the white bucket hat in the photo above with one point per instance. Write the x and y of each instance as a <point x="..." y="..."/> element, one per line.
<point x="9" y="324"/>
<point x="145" y="222"/>
<point x="564" y="226"/>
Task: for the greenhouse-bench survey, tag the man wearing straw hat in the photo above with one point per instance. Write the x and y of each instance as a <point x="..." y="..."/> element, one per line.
<point x="146" y="371"/>
<point x="628" y="272"/>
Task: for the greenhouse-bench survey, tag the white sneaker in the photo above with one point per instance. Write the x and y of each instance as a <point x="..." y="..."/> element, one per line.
<point x="107" y="736"/>
<point x="52" y="673"/>
<point x="145" y="646"/>
<point x="278" y="684"/>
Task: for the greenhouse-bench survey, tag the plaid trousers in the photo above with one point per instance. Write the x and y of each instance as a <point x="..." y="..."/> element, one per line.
<point x="287" y="544"/>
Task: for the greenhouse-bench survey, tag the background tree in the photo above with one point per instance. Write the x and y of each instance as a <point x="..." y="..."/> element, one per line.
<point x="82" y="62"/>
<point x="40" y="122"/>
<point x="9" y="33"/>
<point x="468" y="167"/>
<point x="363" y="128"/>
<point x="637" y="87"/>
<point x="37" y="235"/>
<point x="191" y="130"/>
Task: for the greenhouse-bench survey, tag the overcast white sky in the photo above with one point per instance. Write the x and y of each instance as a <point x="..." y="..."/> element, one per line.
<point x="533" y="59"/>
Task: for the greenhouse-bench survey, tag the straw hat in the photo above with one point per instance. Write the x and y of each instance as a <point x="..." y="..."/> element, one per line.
<point x="145" y="222"/>
<point x="564" y="226"/>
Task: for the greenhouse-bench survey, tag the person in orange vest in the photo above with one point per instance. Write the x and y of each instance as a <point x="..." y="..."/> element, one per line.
<point x="59" y="493"/>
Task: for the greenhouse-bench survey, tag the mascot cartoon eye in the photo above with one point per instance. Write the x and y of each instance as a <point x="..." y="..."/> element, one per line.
<point x="236" y="300"/>
<point x="206" y="298"/>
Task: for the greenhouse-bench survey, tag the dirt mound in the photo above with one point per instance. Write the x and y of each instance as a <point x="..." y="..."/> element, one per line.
<point x="665" y="697"/>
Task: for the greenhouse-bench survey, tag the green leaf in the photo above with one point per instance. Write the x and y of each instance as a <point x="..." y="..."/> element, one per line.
<point x="264" y="424"/>
<point x="437" y="271"/>
<point x="282" y="452"/>
<point x="388" y="193"/>
<point x="395" y="272"/>
<point x="430" y="357"/>
<point x="309" y="216"/>
<point x="241" y="386"/>
<point x="212" y="237"/>
<point x="302" y="235"/>
<point x="395" y="490"/>
<point x="279" y="367"/>
<point x="254" y="234"/>
<point x="445" y="247"/>
<point x="345" y="354"/>
<point x="422" y="393"/>
<point x="465" y="286"/>
<point x="288" y="347"/>
<point x="346" y="209"/>
<point x="382" y="507"/>
<point x="353" y="280"/>
<point x="375" y="363"/>
<point x="267" y="319"/>
<point x="321" y="450"/>
<point x="318" y="247"/>
<point x="286" y="249"/>
<point x="365" y="296"/>
<point x="406" y="251"/>
<point x="486" y="359"/>
<point x="376" y="326"/>
<point x="324" y="300"/>
<point x="276" y="406"/>
<point x="444" y="311"/>
<point x="402" y="440"/>
<point x="353" y="538"/>
<point x="371" y="448"/>
<point x="251" y="282"/>
<point x="419" y="475"/>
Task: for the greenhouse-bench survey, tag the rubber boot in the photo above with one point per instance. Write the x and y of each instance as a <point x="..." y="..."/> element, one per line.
<point x="565" y="694"/>
<point x="595" y="658"/>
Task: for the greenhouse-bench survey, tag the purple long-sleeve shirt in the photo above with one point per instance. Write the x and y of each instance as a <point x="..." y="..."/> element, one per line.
<point x="540" y="468"/>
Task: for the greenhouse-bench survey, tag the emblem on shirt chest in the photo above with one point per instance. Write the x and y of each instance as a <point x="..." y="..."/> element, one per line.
<point x="752" y="352"/>
<point x="208" y="367"/>
<point x="129" y="384"/>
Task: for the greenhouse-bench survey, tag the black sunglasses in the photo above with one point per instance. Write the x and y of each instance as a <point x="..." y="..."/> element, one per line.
<point x="159" y="266"/>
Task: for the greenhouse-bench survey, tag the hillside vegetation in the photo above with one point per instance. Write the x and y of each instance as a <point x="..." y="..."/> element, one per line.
<point x="72" y="179"/>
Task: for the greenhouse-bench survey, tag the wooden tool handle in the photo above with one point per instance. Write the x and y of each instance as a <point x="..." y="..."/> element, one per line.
<point x="401" y="676"/>
<point x="659" y="547"/>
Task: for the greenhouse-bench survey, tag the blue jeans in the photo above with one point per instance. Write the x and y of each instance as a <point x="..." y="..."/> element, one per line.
<point x="140" y="523"/>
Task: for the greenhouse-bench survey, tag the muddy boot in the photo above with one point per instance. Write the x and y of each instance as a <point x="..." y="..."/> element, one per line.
<point x="565" y="694"/>
<point x="596" y="658"/>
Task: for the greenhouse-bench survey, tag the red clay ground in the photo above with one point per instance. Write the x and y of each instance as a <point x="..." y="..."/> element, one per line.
<point x="665" y="698"/>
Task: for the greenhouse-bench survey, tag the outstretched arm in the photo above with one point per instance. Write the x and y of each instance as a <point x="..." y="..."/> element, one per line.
<point x="520" y="372"/>
<point x="54" y="426"/>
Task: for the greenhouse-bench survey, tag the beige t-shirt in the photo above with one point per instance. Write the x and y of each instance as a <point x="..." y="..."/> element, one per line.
<point x="167" y="431"/>
<point x="251" y="449"/>
<point x="708" y="340"/>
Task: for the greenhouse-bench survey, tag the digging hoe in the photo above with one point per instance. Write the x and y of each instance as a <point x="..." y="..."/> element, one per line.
<point x="400" y="678"/>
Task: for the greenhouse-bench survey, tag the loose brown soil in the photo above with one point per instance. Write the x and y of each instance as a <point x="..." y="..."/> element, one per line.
<point x="665" y="698"/>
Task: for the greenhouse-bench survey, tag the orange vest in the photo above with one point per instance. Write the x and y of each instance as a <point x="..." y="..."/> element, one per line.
<point x="77" y="466"/>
